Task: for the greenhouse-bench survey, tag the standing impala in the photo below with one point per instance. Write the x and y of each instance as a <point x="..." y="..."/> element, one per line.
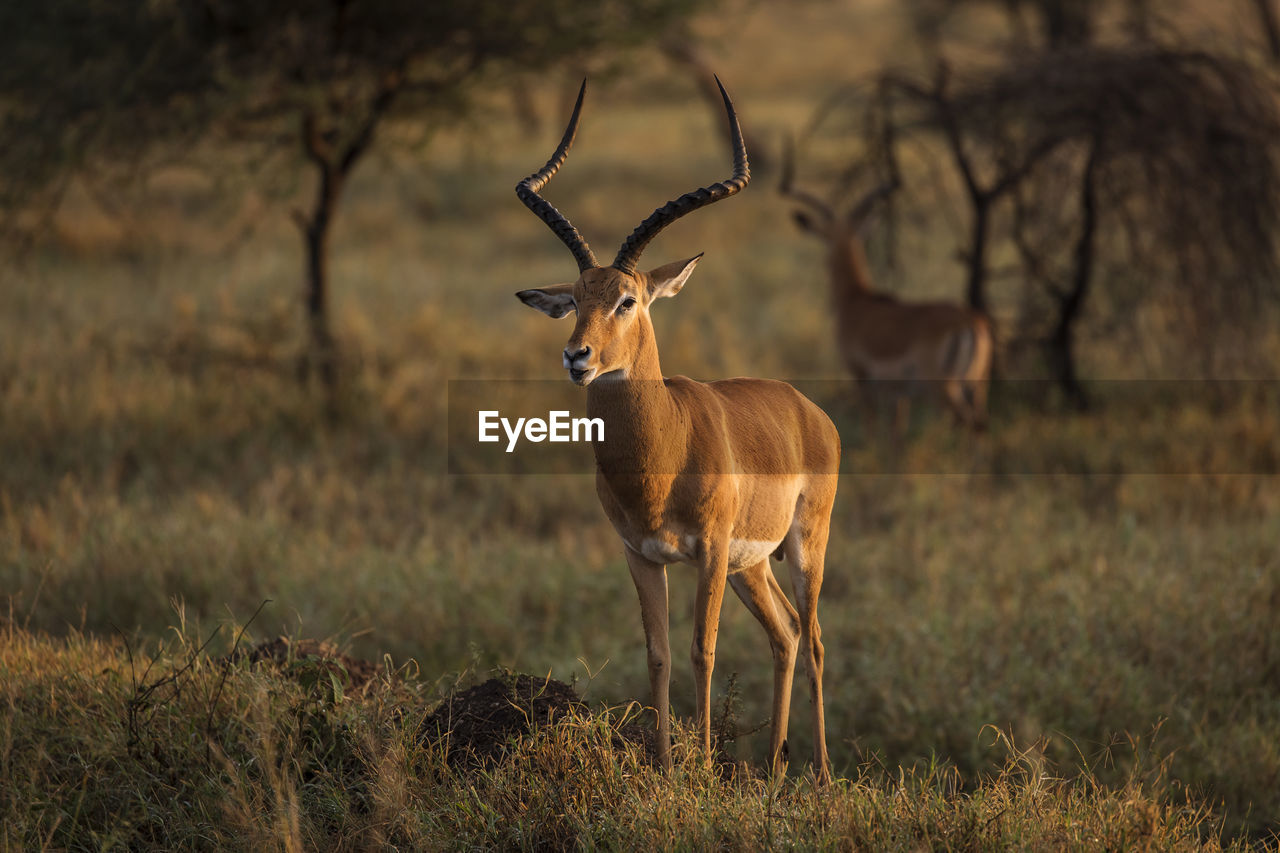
<point x="719" y="475"/>
<point x="885" y="340"/>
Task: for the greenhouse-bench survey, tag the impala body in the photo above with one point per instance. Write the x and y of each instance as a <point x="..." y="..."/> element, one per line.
<point x="719" y="475"/>
<point x="888" y="342"/>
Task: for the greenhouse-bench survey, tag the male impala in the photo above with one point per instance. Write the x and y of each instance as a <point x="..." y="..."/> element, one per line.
<point x="885" y="340"/>
<point x="718" y="475"/>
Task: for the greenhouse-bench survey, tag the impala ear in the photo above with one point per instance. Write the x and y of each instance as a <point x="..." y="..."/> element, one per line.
<point x="667" y="279"/>
<point x="804" y="221"/>
<point x="554" y="301"/>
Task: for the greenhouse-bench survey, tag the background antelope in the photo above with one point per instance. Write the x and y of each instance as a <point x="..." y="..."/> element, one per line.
<point x="893" y="344"/>
<point x="718" y="475"/>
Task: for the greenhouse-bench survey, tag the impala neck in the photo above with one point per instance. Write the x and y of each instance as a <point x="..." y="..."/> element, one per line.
<point x="642" y="422"/>
<point x="850" y="273"/>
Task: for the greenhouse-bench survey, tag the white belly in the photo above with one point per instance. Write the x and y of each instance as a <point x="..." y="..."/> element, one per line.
<point x="743" y="553"/>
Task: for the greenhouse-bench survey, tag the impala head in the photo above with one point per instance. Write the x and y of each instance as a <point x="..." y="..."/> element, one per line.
<point x="823" y="219"/>
<point x="612" y="303"/>
<point x="612" y="310"/>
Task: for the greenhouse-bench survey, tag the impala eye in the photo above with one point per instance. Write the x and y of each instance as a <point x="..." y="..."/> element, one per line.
<point x="627" y="304"/>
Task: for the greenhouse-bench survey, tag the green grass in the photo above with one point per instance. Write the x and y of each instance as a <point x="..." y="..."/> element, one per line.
<point x="159" y="463"/>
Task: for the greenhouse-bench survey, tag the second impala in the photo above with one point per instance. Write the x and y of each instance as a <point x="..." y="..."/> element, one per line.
<point x="889" y="342"/>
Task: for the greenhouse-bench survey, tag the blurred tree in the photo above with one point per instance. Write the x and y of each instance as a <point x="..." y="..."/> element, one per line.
<point x="1265" y="12"/>
<point x="1033" y="25"/>
<point x="85" y="83"/>
<point x="1008" y="158"/>
<point x="1175" y="149"/>
<point x="1078" y="119"/>
<point x="686" y="51"/>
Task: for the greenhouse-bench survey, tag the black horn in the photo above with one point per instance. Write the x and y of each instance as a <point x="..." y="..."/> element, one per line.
<point x="527" y="190"/>
<point x="629" y="254"/>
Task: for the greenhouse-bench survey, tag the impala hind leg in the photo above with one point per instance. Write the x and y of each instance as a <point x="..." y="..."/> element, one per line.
<point x="968" y="402"/>
<point x="712" y="576"/>
<point x="761" y="594"/>
<point x="651" y="585"/>
<point x="977" y="393"/>
<point x="806" y="550"/>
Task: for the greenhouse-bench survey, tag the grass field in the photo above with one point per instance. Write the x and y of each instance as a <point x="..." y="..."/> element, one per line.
<point x="1059" y="642"/>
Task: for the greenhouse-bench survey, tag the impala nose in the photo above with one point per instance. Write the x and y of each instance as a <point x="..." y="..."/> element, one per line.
<point x="570" y="357"/>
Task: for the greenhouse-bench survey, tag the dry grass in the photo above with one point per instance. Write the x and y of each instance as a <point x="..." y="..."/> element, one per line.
<point x="260" y="759"/>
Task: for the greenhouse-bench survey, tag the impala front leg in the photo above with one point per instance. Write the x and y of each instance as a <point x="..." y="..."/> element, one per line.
<point x="651" y="585"/>
<point x="712" y="576"/>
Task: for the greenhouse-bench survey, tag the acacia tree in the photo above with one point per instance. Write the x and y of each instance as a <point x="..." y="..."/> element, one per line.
<point x="1009" y="156"/>
<point x="85" y="83"/>
<point x="1110" y="159"/>
<point x="1168" y="167"/>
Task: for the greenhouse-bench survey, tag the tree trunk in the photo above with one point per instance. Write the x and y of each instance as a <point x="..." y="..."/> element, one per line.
<point x="980" y="198"/>
<point x="1270" y="27"/>
<point x="1066" y="23"/>
<point x="321" y="356"/>
<point x="1062" y="354"/>
<point x="332" y="168"/>
<point x="682" y="49"/>
<point x="524" y="107"/>
<point x="976" y="288"/>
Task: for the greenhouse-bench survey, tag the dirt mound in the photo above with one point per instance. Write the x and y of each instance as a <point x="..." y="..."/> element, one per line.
<point x="301" y="657"/>
<point x="478" y="723"/>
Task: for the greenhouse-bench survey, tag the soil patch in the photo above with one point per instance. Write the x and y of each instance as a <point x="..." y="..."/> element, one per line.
<point x="300" y="658"/>
<point x="478" y="723"/>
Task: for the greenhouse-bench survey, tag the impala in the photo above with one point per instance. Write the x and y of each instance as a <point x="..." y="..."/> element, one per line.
<point x="887" y="341"/>
<point x="718" y="475"/>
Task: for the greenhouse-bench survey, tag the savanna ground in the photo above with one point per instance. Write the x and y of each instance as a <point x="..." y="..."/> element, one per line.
<point x="1054" y="644"/>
